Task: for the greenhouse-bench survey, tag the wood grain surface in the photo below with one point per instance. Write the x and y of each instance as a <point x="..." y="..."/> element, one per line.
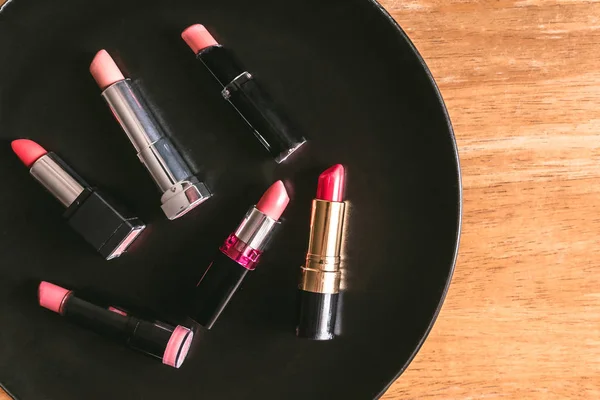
<point x="521" y="79"/>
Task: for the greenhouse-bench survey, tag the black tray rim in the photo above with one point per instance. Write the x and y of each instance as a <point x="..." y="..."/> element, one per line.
<point x="444" y="109"/>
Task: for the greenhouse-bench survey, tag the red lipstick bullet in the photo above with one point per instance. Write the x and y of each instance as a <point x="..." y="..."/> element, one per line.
<point x="332" y="183"/>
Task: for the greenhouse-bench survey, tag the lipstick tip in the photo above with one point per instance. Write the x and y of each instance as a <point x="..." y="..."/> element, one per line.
<point x="28" y="151"/>
<point x="274" y="201"/>
<point x="104" y="70"/>
<point x="332" y="183"/>
<point x="198" y="38"/>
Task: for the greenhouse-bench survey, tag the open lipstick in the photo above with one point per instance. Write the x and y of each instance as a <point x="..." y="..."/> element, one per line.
<point x="107" y="227"/>
<point x="158" y="339"/>
<point x="182" y="191"/>
<point x="239" y="254"/>
<point x="320" y="281"/>
<point x="271" y="126"/>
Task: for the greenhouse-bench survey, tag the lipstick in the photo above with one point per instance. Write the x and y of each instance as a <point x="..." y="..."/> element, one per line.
<point x="239" y="254"/>
<point x="320" y="281"/>
<point x="109" y="228"/>
<point x="271" y="125"/>
<point x="157" y="339"/>
<point x="182" y="191"/>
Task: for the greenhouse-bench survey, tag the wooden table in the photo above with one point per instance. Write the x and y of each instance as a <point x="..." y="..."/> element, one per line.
<point x="521" y="79"/>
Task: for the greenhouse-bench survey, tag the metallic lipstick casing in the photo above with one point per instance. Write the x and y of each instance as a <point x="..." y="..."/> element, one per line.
<point x="247" y="243"/>
<point x="182" y="191"/>
<point x="272" y="127"/>
<point x="239" y="254"/>
<point x="319" y="286"/>
<point x="157" y="339"/>
<point x="107" y="227"/>
<point x="320" y="281"/>
<point x="321" y="272"/>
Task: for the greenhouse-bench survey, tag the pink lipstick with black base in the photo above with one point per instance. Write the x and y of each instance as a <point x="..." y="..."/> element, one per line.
<point x="319" y="286"/>
<point x="107" y="227"/>
<point x="239" y="254"/>
<point x="271" y="125"/>
<point x="160" y="340"/>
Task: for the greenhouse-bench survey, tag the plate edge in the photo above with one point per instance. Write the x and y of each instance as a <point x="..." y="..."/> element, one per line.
<point x="404" y="36"/>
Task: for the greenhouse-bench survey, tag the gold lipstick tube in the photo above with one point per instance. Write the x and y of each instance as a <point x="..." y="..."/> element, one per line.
<point x="321" y="275"/>
<point x="321" y="272"/>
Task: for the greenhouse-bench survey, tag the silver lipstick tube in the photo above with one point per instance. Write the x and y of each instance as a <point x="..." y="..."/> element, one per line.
<point x="250" y="239"/>
<point x="255" y="230"/>
<point x="182" y="191"/>
<point x="57" y="180"/>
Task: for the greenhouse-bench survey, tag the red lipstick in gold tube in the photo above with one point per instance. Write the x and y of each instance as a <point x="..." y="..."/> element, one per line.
<point x="320" y="283"/>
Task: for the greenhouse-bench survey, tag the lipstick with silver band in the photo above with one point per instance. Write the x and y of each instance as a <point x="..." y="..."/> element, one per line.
<point x="272" y="127"/>
<point x="181" y="190"/>
<point x="107" y="227"/>
<point x="239" y="254"/>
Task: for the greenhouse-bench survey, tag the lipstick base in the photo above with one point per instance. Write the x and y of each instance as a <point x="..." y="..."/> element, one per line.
<point x="183" y="197"/>
<point x="108" y="229"/>
<point x="317" y="314"/>
<point x="215" y="289"/>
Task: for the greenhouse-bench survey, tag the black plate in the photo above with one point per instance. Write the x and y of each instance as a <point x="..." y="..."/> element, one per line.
<point x="361" y="94"/>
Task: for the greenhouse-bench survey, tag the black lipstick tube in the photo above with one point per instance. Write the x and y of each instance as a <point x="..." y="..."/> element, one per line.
<point x="271" y="125"/>
<point x="239" y="254"/>
<point x="109" y="228"/>
<point x="157" y="339"/>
